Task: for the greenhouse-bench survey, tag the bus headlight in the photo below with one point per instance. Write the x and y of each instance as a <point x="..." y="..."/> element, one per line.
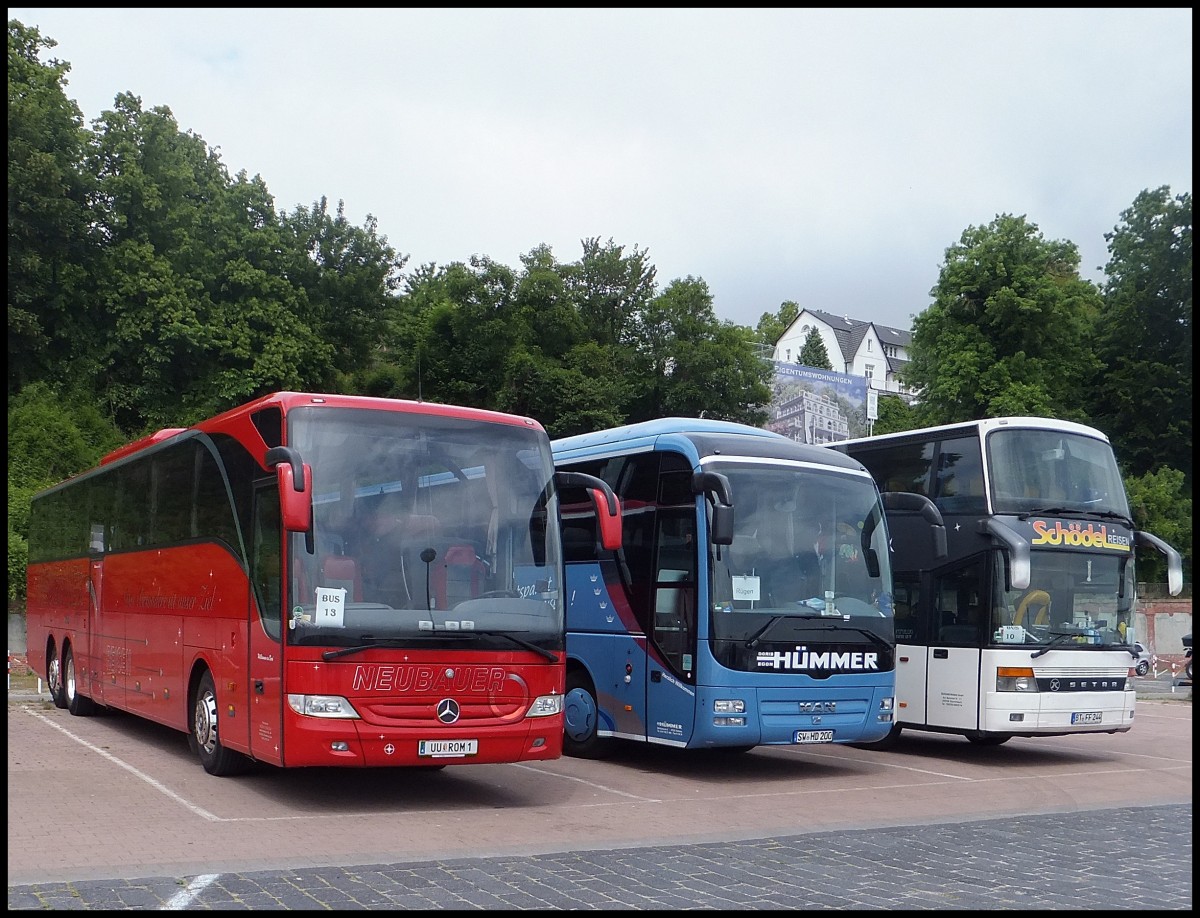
<point x="1015" y="679"/>
<point x="886" y="706"/>
<point x="729" y="706"/>
<point x="333" y="706"/>
<point x="545" y="705"/>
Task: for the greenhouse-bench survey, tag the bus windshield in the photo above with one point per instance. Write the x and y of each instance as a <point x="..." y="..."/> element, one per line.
<point x="1044" y="471"/>
<point x="808" y="543"/>
<point x="1073" y="599"/>
<point x="423" y="535"/>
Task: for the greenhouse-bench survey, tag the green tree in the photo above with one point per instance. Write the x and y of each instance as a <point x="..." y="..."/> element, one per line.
<point x="813" y="352"/>
<point x="50" y="238"/>
<point x="688" y="362"/>
<point x="895" y="415"/>
<point x="1142" y="397"/>
<point x="1161" y="503"/>
<point x="772" y="326"/>
<point x="347" y="280"/>
<point x="609" y="288"/>
<point x="50" y="438"/>
<point x="1008" y="331"/>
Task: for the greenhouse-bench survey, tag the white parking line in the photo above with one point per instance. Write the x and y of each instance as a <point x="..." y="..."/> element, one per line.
<point x="166" y="791"/>
<point x="184" y="897"/>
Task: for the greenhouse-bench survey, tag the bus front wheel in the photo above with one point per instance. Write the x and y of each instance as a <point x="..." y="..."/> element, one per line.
<point x="77" y="704"/>
<point x="54" y="678"/>
<point x="581" y="717"/>
<point x="205" y="738"/>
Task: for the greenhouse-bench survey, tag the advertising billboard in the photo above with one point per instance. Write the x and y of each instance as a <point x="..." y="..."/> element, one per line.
<point x="811" y="405"/>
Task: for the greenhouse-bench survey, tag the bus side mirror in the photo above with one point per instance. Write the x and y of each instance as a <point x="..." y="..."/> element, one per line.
<point x="608" y="515"/>
<point x="1174" y="563"/>
<point x="919" y="503"/>
<point x="295" y="488"/>
<point x="608" y="507"/>
<point x="717" y="485"/>
<point x="722" y="524"/>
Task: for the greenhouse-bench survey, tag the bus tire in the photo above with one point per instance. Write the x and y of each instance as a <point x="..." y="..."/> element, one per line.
<point x="989" y="740"/>
<point x="881" y="745"/>
<point x="77" y="704"/>
<point x="54" y="677"/>
<point x="204" y="735"/>
<point x="581" y="718"/>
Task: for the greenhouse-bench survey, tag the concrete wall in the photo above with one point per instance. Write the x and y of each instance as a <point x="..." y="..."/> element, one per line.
<point x="1160" y="625"/>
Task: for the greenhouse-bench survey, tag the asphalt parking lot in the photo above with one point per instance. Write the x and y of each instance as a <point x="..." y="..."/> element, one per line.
<point x="1052" y="843"/>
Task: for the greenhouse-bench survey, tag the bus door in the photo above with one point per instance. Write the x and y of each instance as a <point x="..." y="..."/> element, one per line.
<point x="912" y="630"/>
<point x="952" y="695"/>
<point x="91" y="631"/>
<point x="267" y="595"/>
<point x="671" y="621"/>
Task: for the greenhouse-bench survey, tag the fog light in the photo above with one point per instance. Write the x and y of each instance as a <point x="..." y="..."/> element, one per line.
<point x="729" y="721"/>
<point x="339" y="746"/>
<point x="1016" y="717"/>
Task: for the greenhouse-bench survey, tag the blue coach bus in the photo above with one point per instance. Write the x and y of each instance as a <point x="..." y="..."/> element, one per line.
<point x="750" y="602"/>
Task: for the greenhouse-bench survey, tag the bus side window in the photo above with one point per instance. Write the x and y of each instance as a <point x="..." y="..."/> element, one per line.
<point x="959" y="613"/>
<point x="909" y="622"/>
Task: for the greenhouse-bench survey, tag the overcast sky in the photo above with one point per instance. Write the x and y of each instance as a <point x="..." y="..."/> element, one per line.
<point x="821" y="156"/>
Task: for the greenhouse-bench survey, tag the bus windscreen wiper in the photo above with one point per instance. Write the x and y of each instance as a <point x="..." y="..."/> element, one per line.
<point x="1058" y="638"/>
<point x="436" y="636"/>
<point x="774" y="619"/>
<point x="359" y="648"/>
<point x="528" y="645"/>
<point x="1077" y="511"/>
<point x="818" y="623"/>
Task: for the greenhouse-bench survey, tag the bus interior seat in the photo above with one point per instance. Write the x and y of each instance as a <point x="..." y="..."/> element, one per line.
<point x="457" y="576"/>
<point x="342" y="571"/>
<point x="1039" y="602"/>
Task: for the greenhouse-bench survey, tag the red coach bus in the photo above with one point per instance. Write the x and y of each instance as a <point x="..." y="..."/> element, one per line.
<point x="315" y="580"/>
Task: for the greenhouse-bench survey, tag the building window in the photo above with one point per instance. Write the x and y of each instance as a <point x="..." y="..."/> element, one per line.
<point x="869" y="344"/>
<point x="869" y="371"/>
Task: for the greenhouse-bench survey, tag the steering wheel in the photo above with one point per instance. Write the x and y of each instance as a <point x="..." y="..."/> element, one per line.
<point x="1040" y="599"/>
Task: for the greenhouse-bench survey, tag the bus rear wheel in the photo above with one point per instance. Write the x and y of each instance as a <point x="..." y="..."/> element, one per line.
<point x="205" y="738"/>
<point x="581" y="718"/>
<point x="75" y="703"/>
<point x="54" y="678"/>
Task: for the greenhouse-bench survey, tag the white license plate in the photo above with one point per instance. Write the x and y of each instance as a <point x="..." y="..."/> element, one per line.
<point x="813" y="736"/>
<point x="1086" y="717"/>
<point x="447" y="748"/>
